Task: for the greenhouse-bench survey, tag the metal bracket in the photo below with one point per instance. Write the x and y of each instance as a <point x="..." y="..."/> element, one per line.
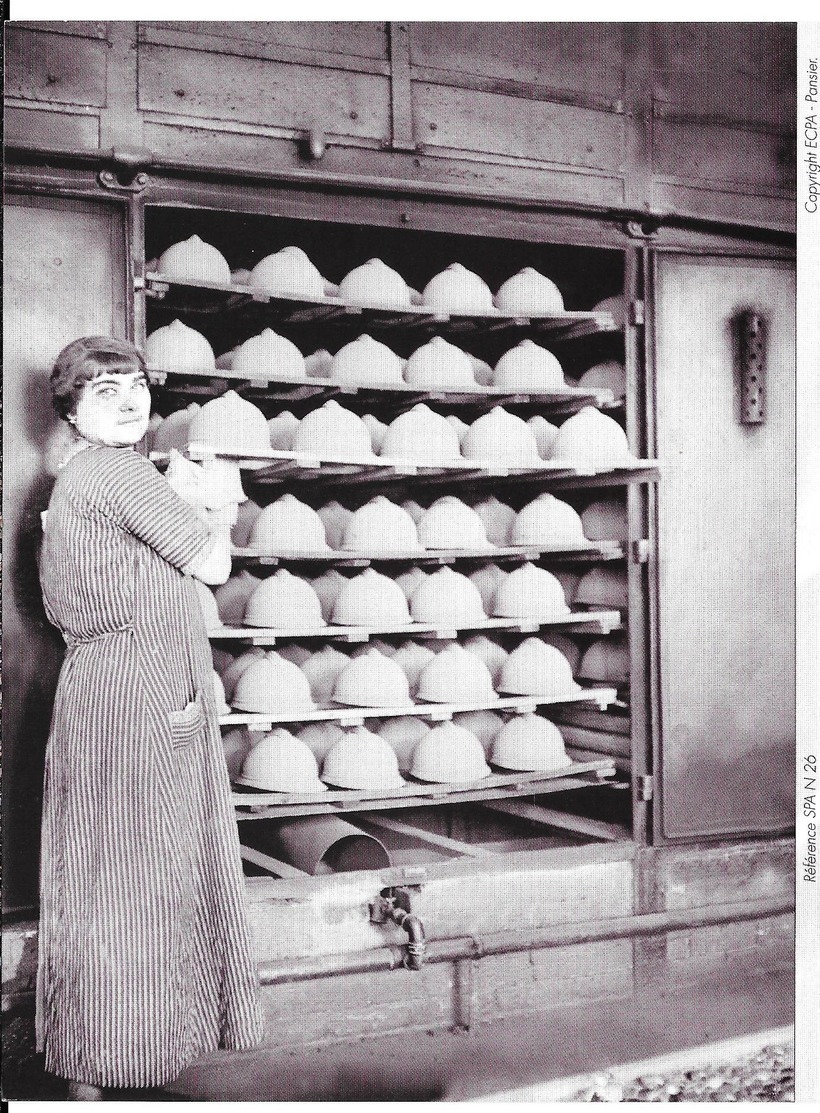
<point x="645" y="229"/>
<point x="127" y="169"/>
<point x="637" y="312"/>
<point x="646" y="787"/>
<point x="752" y="355"/>
<point x="640" y="551"/>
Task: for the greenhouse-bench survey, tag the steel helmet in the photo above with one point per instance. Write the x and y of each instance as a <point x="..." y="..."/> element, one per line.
<point x="609" y="375"/>
<point x="334" y="518"/>
<point x="375" y="284"/>
<point x="231" y="424"/>
<point x="568" y="581"/>
<point x="529" y="294"/>
<point x="545" y="433"/>
<point x="408" y="581"/>
<point x="528" y="367"/>
<point x="548" y="521"/>
<point x="297" y="654"/>
<point x="284" y="601"/>
<point x="451" y="524"/>
<point x="591" y="438"/>
<point x="334" y="433"/>
<point x="403" y="735"/>
<point x="461" y="427"/>
<point x="322" y="671"/>
<point x="439" y="365"/>
<point x="221" y="703"/>
<point x="290" y="272"/>
<point x="482" y="371"/>
<point x="487" y="580"/>
<point x="449" y="754"/>
<point x="371" y="599"/>
<point x="270" y="355"/>
<point x="327" y="588"/>
<point x="176" y="347"/>
<point x="374" y="643"/>
<point x="606" y="661"/>
<point x="501" y="438"/>
<point x="570" y="649"/>
<point x="530" y="743"/>
<point x="485" y="725"/>
<point x="380" y="526"/>
<point x="273" y="685"/>
<point x="193" y="260"/>
<point x="362" y="760"/>
<point x="456" y="676"/>
<point x="236" y="745"/>
<point x="603" y="589"/>
<point x="413" y="509"/>
<point x="605" y="520"/>
<point x="367" y="362"/>
<point x="491" y="653"/>
<point x="237" y="667"/>
<point x="422" y="435"/>
<point x="232" y="597"/>
<point x="498" y="519"/>
<point x="530" y="592"/>
<point x="240" y="276"/>
<point x="372" y="680"/>
<point x="282" y="430"/>
<point x="318" y="363"/>
<point x="411" y="659"/>
<point x="377" y="430"/>
<point x="537" y="669"/>
<point x="207" y="606"/>
<point x="457" y="290"/>
<point x="281" y="763"/>
<point x="247" y="514"/>
<point x="447" y="597"/>
<point x="614" y="305"/>
<point x="320" y="738"/>
<point x="288" y="526"/>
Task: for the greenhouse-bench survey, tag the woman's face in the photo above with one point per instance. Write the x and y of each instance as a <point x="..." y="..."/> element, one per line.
<point x="113" y="409"/>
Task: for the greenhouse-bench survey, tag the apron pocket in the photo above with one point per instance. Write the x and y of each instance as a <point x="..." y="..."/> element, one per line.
<point x="187" y="723"/>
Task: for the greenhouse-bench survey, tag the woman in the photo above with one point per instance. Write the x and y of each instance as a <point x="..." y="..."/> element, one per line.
<point x="145" y="959"/>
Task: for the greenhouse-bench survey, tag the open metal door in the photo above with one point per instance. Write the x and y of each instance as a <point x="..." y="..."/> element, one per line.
<point x="724" y="549"/>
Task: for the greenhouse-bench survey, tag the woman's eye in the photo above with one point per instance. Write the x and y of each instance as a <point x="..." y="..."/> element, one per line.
<point x="106" y="391"/>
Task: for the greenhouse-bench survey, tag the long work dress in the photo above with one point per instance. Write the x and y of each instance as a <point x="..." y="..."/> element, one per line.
<point x="145" y="955"/>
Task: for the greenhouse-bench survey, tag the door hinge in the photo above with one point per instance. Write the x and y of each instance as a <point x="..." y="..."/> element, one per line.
<point x="646" y="786"/>
<point x="636" y="312"/>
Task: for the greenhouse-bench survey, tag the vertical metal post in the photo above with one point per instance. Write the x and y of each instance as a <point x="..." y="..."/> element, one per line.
<point x="401" y="90"/>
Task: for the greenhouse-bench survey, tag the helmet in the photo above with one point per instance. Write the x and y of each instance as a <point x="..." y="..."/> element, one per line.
<point x="545" y="433"/>
<point x="447" y="597"/>
<point x="498" y="519"/>
<point x="385" y="648"/>
<point x="269" y="354"/>
<point x="207" y="605"/>
<point x="381" y="526"/>
<point x="456" y="676"/>
<point x="272" y="685"/>
<point x="590" y="437"/>
<point x="222" y="483"/>
<point x="403" y="735"/>
<point x="247" y="514"/>
<point x="288" y="526"/>
<point x="502" y="438"/>
<point x="605" y="520"/>
<point x="282" y="763"/>
<point x="616" y="306"/>
<point x="173" y="431"/>
<point x="603" y="589"/>
<point x="487" y="580"/>
<point x="449" y="754"/>
<point x="457" y="290"/>
<point x="282" y="430"/>
<point x="327" y="588"/>
<point x="193" y="260"/>
<point x="244" y="661"/>
<point x="236" y="745"/>
<point x="179" y="348"/>
<point x="334" y="518"/>
<point x="371" y="599"/>
<point x="318" y="364"/>
<point x="296" y="654"/>
<point x="232" y="597"/>
<point x="529" y="294"/>
<point x="485" y="725"/>
<point x="531" y="743"/>
<point x="408" y="581"/>
<point x="375" y="284"/>
<point x="568" y="581"/>
<point x="438" y="365"/>
<point x="367" y="362"/>
<point x="362" y="760"/>
<point x="548" y="521"/>
<point x="372" y="680"/>
<point x="482" y="371"/>
<point x="322" y="671"/>
<point x="460" y="426"/>
<point x="490" y="652"/>
<point x="411" y="659"/>
<point x="537" y="669"/>
<point x="334" y="433"/>
<point x="233" y="425"/>
<point x="530" y="592"/>
<point x="528" y="366"/>
<point x="222" y="707"/>
<point x="450" y="524"/>
<point x="413" y="509"/>
<point x="565" y="645"/>
<point x="240" y="276"/>
<point x="282" y="601"/>
<point x="288" y="271"/>
<point x="377" y="430"/>
<point x="606" y="661"/>
<point x="607" y="375"/>
<point x="320" y="738"/>
<point x="423" y="435"/>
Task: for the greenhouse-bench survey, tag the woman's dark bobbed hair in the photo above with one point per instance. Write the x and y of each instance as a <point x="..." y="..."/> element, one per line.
<point x="86" y="359"/>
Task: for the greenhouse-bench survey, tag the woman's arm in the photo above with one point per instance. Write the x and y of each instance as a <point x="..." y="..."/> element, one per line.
<point x="214" y="566"/>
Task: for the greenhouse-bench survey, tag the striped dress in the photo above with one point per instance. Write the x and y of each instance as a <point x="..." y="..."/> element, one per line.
<point x="145" y="957"/>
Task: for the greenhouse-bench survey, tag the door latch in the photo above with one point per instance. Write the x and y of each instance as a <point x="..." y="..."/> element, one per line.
<point x="646" y="786"/>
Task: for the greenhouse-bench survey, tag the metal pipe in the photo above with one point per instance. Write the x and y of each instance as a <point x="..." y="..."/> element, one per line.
<point x="555" y="935"/>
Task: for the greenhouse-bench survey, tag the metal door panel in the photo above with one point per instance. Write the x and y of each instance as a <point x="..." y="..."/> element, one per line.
<point x="725" y="540"/>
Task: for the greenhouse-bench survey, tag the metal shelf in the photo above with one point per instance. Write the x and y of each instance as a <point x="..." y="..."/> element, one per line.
<point x="594" y="551"/>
